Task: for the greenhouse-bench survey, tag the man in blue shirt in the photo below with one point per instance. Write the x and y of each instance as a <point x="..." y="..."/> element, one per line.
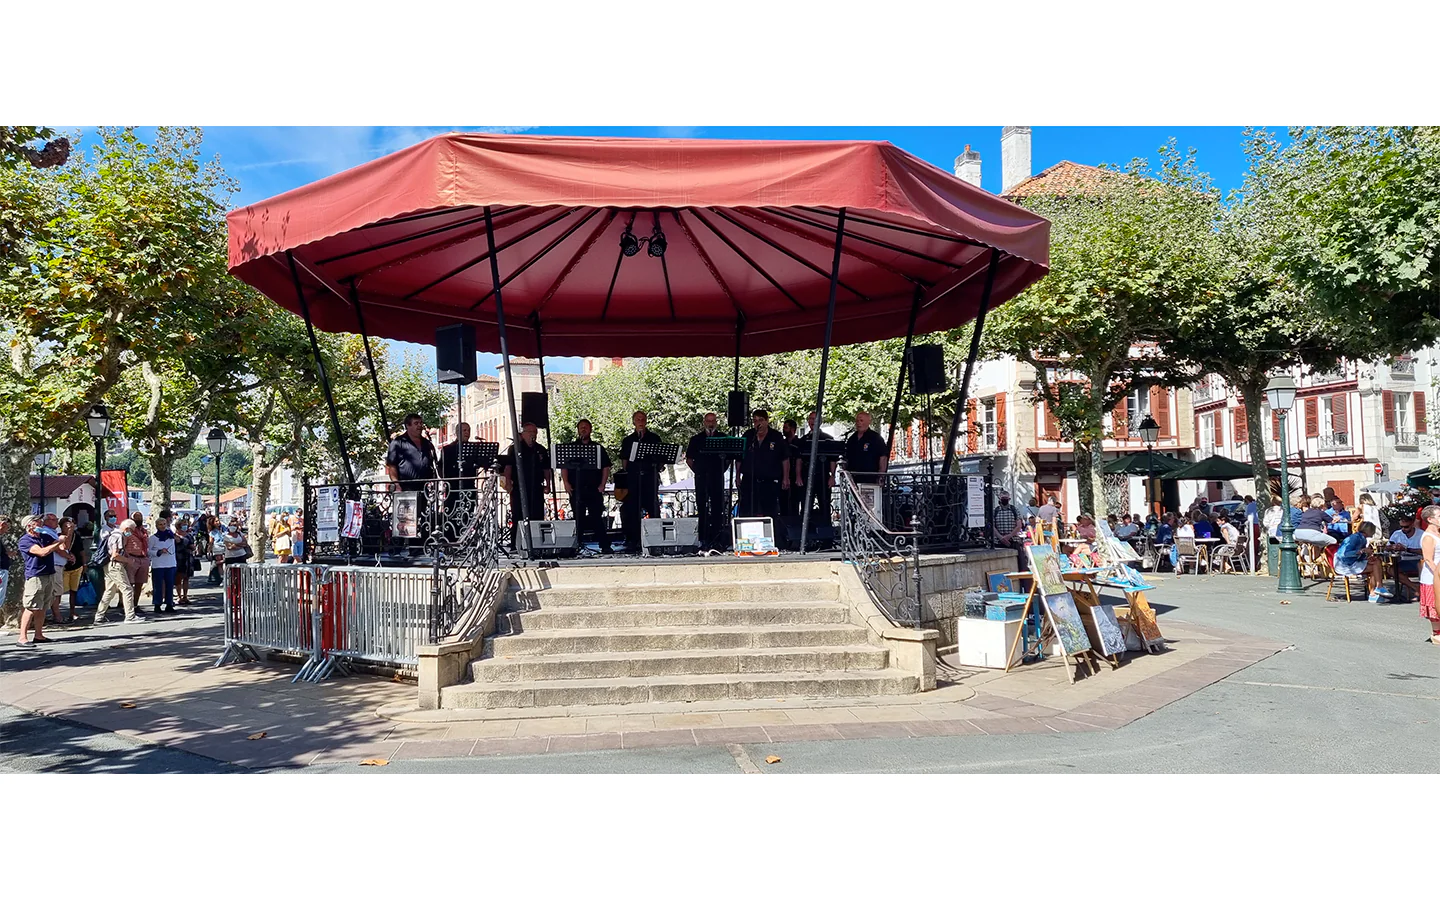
<point x="1339" y="525"/>
<point x="37" y="549"/>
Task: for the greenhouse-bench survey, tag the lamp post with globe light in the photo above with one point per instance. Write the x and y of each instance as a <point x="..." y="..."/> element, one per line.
<point x="1280" y="394"/>
<point x="1149" y="434"/>
<point x="215" y="440"/>
<point x="42" y="460"/>
<point x="196" y="479"/>
<point x="97" y="421"/>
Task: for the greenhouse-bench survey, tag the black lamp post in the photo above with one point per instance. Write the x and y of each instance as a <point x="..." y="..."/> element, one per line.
<point x="216" y="441"/>
<point x="1280" y="394"/>
<point x="42" y="459"/>
<point x="196" y="479"/>
<point x="1149" y="433"/>
<point x="98" y="422"/>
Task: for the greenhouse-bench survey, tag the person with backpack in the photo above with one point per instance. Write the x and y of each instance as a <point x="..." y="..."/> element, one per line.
<point x="118" y="574"/>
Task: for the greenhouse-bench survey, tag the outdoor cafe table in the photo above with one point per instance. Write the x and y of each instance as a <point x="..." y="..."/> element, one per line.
<point x="1204" y="544"/>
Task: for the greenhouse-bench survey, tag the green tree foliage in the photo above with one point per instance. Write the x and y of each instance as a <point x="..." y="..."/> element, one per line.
<point x="1124" y="257"/>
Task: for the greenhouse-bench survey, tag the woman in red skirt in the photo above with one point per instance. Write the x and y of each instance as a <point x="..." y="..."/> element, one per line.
<point x="1430" y="550"/>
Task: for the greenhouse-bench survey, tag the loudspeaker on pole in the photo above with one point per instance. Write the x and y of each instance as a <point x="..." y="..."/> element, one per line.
<point x="455" y="354"/>
<point x="737" y="411"/>
<point x="535" y="408"/>
<point x="927" y="369"/>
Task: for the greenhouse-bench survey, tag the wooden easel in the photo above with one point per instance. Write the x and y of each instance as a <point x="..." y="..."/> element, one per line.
<point x="1087" y="597"/>
<point x="1085" y="658"/>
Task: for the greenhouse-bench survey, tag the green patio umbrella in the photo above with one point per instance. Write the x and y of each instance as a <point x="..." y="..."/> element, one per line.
<point x="1214" y="468"/>
<point x="1421" y="478"/>
<point x="1140" y="464"/>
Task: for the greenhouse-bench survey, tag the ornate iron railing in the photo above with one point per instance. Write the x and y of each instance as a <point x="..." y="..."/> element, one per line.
<point x="887" y="561"/>
<point x="934" y="507"/>
<point x="1402" y="367"/>
<point x="1340" y="441"/>
<point x="1406" y="439"/>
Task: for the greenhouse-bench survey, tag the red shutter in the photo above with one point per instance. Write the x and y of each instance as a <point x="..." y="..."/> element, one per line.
<point x="1387" y="400"/>
<point x="1339" y="415"/>
<point x="999" y="421"/>
<point x="1345" y="490"/>
<point x="1419" y="412"/>
<point x="1242" y="426"/>
<point x="1118" y="417"/>
<point x="1312" y="417"/>
<point x="1219" y="418"/>
<point x="1052" y="425"/>
<point x="1160" y="408"/>
<point x="1274" y="425"/>
<point x="972" y="441"/>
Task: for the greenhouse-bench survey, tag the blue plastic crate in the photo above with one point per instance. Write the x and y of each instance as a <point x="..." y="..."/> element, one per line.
<point x="1005" y="609"/>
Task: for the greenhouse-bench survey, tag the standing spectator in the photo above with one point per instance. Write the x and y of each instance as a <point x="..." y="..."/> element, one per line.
<point x="1252" y="509"/>
<point x="1430" y="545"/>
<point x="217" y="551"/>
<point x="236" y="546"/>
<point x="75" y="565"/>
<point x="1048" y="510"/>
<point x="184" y="561"/>
<point x="280" y="538"/>
<point x="1005" y="523"/>
<point x="297" y="537"/>
<point x="161" y="554"/>
<point x="50" y="529"/>
<point x="38" y="551"/>
<point x="4" y="557"/>
<point x="118" y="578"/>
<point x="137" y="549"/>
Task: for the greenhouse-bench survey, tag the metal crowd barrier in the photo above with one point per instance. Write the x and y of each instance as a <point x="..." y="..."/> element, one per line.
<point x="330" y="615"/>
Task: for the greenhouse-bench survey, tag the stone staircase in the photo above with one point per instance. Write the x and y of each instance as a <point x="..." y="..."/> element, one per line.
<point x="614" y="635"/>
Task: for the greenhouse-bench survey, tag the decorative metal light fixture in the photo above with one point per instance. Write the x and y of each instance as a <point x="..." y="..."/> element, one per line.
<point x="216" y="440"/>
<point x="98" y="421"/>
<point x="1280" y="394"/>
<point x="629" y="243"/>
<point x="1149" y="429"/>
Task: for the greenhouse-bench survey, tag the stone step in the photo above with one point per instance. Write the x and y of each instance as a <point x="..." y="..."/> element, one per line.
<point x="634" y="640"/>
<point x="641" y="664"/>
<point x="823" y="612"/>
<point x="611" y="691"/>
<point x="786" y="591"/>
<point x="752" y="571"/>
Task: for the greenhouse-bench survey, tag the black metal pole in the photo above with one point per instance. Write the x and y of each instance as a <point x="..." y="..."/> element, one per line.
<point x="545" y="392"/>
<point x="217" y="486"/>
<point x="370" y="361"/>
<point x="42" y="490"/>
<point x="970" y="363"/>
<point x="904" y="366"/>
<point x="324" y="381"/>
<point x="820" y="391"/>
<point x="519" y="457"/>
<point x="1150" y="481"/>
<point x="99" y="511"/>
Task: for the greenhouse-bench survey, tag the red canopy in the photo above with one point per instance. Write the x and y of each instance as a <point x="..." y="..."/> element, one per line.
<point x="749" y="231"/>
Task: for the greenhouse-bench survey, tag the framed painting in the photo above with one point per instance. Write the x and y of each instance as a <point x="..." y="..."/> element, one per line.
<point x="1045" y="566"/>
<point x="1069" y="627"/>
<point x="1107" y="629"/>
<point x="999" y="582"/>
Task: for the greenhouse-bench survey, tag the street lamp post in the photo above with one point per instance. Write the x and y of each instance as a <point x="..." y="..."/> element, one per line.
<point x="42" y="459"/>
<point x="98" y="423"/>
<point x="216" y="441"/>
<point x="1280" y="394"/>
<point x="196" y="479"/>
<point x="1149" y="434"/>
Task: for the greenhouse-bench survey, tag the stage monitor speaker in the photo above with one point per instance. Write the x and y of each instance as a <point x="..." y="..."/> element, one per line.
<point x="555" y="538"/>
<point x="455" y="354"/>
<point x="738" y="409"/>
<point x="927" y="369"/>
<point x="534" y="407"/>
<point x="822" y="534"/>
<point x="669" y="535"/>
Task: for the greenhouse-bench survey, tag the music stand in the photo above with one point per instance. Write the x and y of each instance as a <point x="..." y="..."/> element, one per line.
<point x="649" y="454"/>
<point x="480" y="454"/>
<point x="828" y="449"/>
<point x="575" y="455"/>
<point x="723" y="445"/>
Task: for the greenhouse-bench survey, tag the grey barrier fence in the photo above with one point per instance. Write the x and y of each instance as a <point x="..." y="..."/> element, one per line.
<point x="272" y="608"/>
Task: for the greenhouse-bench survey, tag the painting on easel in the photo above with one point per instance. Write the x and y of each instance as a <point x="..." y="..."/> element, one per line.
<point x="1069" y="627"/>
<point x="1045" y="566"/>
<point x="1107" y="629"/>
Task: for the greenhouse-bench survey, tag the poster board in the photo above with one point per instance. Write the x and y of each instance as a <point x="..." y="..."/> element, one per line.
<point x="327" y="515"/>
<point x="406" y="523"/>
<point x="974" y="500"/>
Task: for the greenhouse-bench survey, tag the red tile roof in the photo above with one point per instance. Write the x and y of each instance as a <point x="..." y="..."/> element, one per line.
<point x="1061" y="179"/>
<point x="60" y="486"/>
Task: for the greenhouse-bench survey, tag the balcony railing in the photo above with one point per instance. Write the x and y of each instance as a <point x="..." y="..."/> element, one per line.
<point x="1203" y="393"/>
<point x="1339" y="441"/>
<point x="1406" y="439"/>
<point x="1402" y="368"/>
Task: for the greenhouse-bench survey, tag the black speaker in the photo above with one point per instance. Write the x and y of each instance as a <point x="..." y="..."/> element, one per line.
<point x="822" y="534"/>
<point x="737" y="410"/>
<point x="534" y="408"/>
<point x="927" y="369"/>
<point x="455" y="354"/>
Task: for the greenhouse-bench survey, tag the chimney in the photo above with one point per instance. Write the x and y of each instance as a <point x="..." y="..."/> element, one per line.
<point x="1014" y="155"/>
<point x="967" y="166"/>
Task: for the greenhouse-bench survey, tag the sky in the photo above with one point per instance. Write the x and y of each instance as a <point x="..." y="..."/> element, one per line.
<point x="270" y="160"/>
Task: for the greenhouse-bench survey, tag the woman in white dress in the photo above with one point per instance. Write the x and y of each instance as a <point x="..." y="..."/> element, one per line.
<point x="1369" y="512"/>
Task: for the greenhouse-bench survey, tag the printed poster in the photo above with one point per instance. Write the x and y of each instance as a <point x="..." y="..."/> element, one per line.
<point x="327" y="515"/>
<point x="406" y="523"/>
<point x="354" y="518"/>
<point x="975" y="499"/>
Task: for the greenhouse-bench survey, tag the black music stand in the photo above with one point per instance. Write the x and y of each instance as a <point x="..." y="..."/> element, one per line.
<point x="575" y="455"/>
<point x="479" y="454"/>
<point x="650" y="455"/>
<point x="723" y="445"/>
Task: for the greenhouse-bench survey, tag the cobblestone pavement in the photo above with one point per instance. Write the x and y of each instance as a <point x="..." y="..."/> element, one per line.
<point x="1358" y="692"/>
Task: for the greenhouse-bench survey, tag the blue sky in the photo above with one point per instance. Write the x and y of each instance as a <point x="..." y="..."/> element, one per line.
<point x="269" y="160"/>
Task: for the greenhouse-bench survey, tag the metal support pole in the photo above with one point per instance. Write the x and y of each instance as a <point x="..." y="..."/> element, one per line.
<point x="1289" y="582"/>
<point x="545" y="392"/>
<point x="217" y="484"/>
<point x="99" y="503"/>
<point x="519" y="458"/>
<point x="970" y="362"/>
<point x="1150" y="480"/>
<point x="370" y="361"/>
<point x="820" y="391"/>
<point x="904" y="369"/>
<point x="42" y="489"/>
<point x="324" y="380"/>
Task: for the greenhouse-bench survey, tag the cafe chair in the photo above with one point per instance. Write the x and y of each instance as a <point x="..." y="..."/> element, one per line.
<point x="1355" y="583"/>
<point x="1222" y="559"/>
<point x="1186" y="553"/>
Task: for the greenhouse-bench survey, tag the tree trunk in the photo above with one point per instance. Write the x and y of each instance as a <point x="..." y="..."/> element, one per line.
<point x="260" y="472"/>
<point x="1250" y="394"/>
<point x="15" y="464"/>
<point x="161" y="468"/>
<point x="1088" y="478"/>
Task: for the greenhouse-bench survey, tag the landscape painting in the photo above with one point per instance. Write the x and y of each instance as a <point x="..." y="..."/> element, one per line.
<point x="1045" y="566"/>
<point x="1068" y="625"/>
<point x="1107" y="629"/>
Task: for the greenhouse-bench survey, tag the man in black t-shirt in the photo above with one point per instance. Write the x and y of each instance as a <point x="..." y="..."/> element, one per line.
<point x="762" y="469"/>
<point x="710" y="499"/>
<point x="642" y="481"/>
<point x="866" y="454"/>
<point x="453" y="465"/>
<point x="794" y="495"/>
<point x="586" y="489"/>
<point x="410" y="458"/>
<point x="824" y="471"/>
<point x="535" y="461"/>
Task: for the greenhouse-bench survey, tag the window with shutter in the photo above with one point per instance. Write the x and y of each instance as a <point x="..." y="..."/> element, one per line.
<point x="1242" y="427"/>
<point x="1160" y="403"/>
<point x="1419" y="412"/>
<point x="1387" y="401"/>
<point x="1219" y="429"/>
<point x="1119" y="418"/>
<point x="1052" y="425"/>
<point x="1312" y="417"/>
<point x="999" y="421"/>
<point x="1339" y="413"/>
<point x="971" y="441"/>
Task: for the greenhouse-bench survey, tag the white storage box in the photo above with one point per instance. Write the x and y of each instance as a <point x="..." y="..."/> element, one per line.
<point x="985" y="642"/>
